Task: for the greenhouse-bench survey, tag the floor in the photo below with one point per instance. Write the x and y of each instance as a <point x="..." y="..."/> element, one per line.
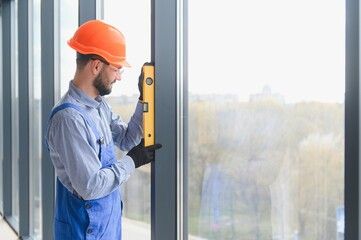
<point x="131" y="230"/>
<point x="6" y="232"/>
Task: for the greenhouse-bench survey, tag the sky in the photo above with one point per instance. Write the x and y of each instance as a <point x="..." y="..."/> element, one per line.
<point x="295" y="47"/>
<point x="237" y="47"/>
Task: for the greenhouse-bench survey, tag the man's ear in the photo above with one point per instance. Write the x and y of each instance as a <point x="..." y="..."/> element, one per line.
<point x="95" y="66"/>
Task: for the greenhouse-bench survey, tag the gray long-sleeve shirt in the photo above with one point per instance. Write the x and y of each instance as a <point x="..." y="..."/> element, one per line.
<point x="75" y="157"/>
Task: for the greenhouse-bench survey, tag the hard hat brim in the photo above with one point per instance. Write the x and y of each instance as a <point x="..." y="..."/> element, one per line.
<point x="88" y="50"/>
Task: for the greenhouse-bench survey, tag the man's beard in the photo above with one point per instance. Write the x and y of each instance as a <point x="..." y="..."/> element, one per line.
<point x="100" y="86"/>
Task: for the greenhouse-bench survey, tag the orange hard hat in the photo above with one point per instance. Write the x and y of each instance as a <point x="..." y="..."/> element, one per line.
<point x="100" y="38"/>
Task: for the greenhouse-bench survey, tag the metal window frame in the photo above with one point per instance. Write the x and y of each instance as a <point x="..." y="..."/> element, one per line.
<point x="87" y="10"/>
<point x="1" y="115"/>
<point x="49" y="31"/>
<point x="24" y="158"/>
<point x="164" y="173"/>
<point x="7" y="121"/>
<point x="352" y="122"/>
<point x="169" y="171"/>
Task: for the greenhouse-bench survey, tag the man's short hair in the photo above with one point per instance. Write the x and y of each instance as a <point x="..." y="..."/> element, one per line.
<point x="82" y="59"/>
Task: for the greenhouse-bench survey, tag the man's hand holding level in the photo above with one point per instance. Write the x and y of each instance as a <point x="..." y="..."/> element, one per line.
<point x="142" y="155"/>
<point x="140" y="81"/>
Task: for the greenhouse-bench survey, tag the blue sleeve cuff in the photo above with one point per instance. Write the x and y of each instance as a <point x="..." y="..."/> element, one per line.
<point x="128" y="165"/>
<point x="139" y="111"/>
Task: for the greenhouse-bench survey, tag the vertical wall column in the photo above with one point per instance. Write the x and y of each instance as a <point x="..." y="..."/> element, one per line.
<point x="87" y="10"/>
<point x="24" y="157"/>
<point x="1" y="116"/>
<point x="7" y="122"/>
<point x="48" y="31"/>
<point x="169" y="172"/>
<point x="352" y="121"/>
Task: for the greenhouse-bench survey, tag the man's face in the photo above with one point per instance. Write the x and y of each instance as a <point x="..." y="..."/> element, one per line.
<point x="104" y="81"/>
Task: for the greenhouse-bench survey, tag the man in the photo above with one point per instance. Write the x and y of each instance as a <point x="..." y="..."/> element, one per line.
<point x="81" y="135"/>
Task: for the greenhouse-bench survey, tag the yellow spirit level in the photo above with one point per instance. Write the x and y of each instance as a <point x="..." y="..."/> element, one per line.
<point x="148" y="103"/>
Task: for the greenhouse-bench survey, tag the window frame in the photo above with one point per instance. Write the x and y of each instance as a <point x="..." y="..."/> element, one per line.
<point x="352" y="122"/>
<point x="49" y="87"/>
<point x="24" y="101"/>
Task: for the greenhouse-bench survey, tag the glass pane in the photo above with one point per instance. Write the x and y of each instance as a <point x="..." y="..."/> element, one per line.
<point x="68" y="25"/>
<point x="14" y="118"/>
<point x="136" y="28"/>
<point x="266" y="125"/>
<point x="36" y="139"/>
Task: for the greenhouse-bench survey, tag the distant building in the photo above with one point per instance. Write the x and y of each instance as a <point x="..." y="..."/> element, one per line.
<point x="267" y="95"/>
<point x="219" y="98"/>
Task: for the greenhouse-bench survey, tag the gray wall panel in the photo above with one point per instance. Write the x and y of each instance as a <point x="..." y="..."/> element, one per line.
<point x="352" y="176"/>
<point x="23" y="49"/>
<point x="164" y="170"/>
<point x="87" y="10"/>
<point x="47" y="102"/>
<point x="6" y="34"/>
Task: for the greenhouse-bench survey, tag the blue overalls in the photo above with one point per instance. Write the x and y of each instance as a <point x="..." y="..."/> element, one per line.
<point x="76" y="218"/>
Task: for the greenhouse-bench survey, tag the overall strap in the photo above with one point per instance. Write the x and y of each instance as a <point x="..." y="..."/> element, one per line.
<point x="82" y="113"/>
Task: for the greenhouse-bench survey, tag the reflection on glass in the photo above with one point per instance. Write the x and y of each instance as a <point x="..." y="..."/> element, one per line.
<point x="14" y="118"/>
<point x="35" y="123"/>
<point x="266" y="121"/>
<point x="123" y="99"/>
